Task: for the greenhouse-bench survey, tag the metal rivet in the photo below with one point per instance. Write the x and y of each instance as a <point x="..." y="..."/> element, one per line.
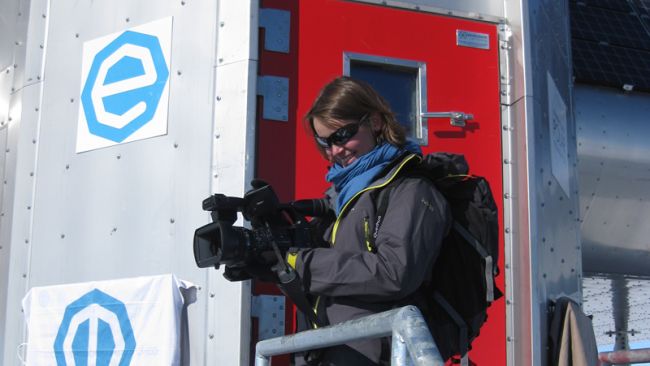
<point x="509" y="339"/>
<point x="212" y="294"/>
<point x="31" y="174"/>
<point x="67" y="166"/>
<point x="506" y="195"/>
<point x="211" y="336"/>
<point x="44" y="16"/>
<point x="36" y="109"/>
<point x="40" y="46"/>
<point x="182" y="2"/>
<point x="33" y="141"/>
<point x="218" y="98"/>
<point x="127" y="20"/>
<point x="26" y="241"/>
<point x="507" y="230"/>
<point x="172" y="220"/>
<point x="220" y="60"/>
<point x="118" y="157"/>
<point x="62" y="236"/>
<point x="221" y="24"/>
<point x="29" y="207"/>
<point x="76" y="35"/>
<point x="217" y="136"/>
<point x="71" y="100"/>
<point x="175" y="145"/>
<point x="24" y="275"/>
<point x="38" y="77"/>
<point x="178" y="72"/>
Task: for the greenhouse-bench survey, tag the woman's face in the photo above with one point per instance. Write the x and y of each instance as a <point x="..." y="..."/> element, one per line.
<point x="347" y="153"/>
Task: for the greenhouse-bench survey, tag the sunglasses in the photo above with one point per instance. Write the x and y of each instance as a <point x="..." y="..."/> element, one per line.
<point x="342" y="135"/>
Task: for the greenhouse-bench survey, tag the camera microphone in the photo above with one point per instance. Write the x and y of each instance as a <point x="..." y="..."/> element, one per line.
<point x="313" y="208"/>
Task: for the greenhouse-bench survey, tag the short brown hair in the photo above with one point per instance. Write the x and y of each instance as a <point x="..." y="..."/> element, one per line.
<point x="345" y="98"/>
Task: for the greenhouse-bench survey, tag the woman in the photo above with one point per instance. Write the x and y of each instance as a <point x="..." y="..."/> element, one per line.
<point x="365" y="272"/>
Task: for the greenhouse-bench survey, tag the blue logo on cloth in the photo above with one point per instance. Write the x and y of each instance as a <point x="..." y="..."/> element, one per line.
<point x="124" y="86"/>
<point x="95" y="319"/>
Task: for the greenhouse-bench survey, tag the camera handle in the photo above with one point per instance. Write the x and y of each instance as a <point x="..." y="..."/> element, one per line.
<point x="291" y="285"/>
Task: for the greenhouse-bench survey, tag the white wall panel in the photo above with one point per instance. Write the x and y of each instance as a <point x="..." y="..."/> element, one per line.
<point x="130" y="209"/>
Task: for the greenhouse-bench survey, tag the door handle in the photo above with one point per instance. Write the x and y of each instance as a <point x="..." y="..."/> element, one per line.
<point x="455" y="118"/>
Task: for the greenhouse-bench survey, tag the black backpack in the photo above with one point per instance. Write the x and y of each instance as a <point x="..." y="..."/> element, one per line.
<point x="461" y="288"/>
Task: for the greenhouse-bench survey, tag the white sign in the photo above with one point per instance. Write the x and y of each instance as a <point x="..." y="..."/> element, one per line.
<point x="472" y="39"/>
<point x="557" y="125"/>
<point x="122" y="322"/>
<point x="125" y="86"/>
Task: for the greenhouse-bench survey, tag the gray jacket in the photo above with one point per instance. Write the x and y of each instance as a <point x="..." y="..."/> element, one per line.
<point x="353" y="279"/>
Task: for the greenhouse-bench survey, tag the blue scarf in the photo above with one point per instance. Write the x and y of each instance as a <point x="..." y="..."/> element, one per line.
<point x="351" y="179"/>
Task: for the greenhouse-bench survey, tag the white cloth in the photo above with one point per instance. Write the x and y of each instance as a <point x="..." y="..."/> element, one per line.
<point x="135" y="321"/>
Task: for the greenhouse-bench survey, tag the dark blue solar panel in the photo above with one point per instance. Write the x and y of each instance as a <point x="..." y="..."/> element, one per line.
<point x="611" y="42"/>
<point x="612" y="27"/>
<point x="611" y="65"/>
<point x="619" y="5"/>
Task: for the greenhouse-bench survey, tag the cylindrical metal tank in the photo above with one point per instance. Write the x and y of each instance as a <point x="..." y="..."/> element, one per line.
<point x="613" y="132"/>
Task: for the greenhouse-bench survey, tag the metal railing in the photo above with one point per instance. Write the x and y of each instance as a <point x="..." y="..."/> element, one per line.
<point x="624" y="356"/>
<point x="411" y="339"/>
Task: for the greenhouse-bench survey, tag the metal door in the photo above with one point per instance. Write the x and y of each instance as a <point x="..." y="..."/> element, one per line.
<point x="453" y="64"/>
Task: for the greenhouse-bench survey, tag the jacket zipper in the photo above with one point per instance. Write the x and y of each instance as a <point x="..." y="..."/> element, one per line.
<point x="347" y="204"/>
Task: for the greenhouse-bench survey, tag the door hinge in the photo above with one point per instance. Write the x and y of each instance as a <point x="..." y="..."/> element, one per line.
<point x="269" y="310"/>
<point x="505" y="64"/>
<point x="277" y="28"/>
<point x="275" y="91"/>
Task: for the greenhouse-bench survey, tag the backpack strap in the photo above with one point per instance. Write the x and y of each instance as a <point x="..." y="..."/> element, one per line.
<point x="463" y="341"/>
<point x="489" y="275"/>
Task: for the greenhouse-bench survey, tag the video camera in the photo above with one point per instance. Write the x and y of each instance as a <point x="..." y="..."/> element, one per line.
<point x="275" y="227"/>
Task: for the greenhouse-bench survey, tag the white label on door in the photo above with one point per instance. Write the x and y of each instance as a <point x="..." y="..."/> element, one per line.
<point x="472" y="39"/>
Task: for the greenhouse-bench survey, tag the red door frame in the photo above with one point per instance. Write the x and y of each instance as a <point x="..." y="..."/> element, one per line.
<point x="458" y="78"/>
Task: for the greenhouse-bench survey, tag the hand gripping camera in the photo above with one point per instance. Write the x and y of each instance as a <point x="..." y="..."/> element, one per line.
<point x="275" y="227"/>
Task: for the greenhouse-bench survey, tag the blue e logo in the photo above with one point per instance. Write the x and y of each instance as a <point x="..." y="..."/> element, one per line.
<point x="124" y="86"/>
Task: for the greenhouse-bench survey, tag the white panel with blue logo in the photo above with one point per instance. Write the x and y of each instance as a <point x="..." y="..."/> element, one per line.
<point x="125" y="86"/>
<point x="134" y="321"/>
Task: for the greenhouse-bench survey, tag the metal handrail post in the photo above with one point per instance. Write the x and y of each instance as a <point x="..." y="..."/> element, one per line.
<point x="399" y="355"/>
<point x="415" y="332"/>
<point x="406" y="322"/>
